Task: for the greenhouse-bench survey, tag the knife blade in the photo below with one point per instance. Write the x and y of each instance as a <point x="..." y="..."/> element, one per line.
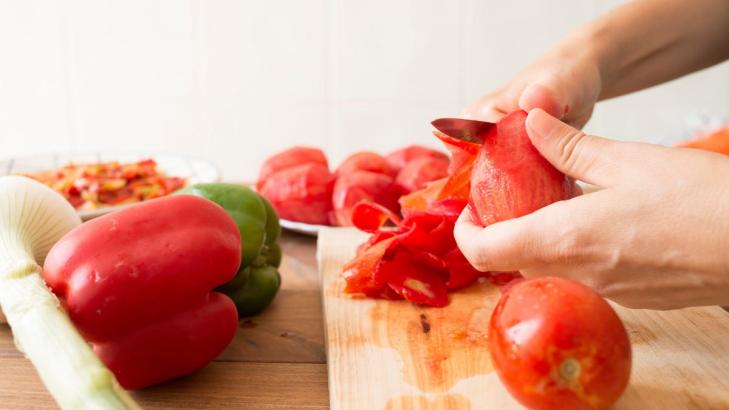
<point x="467" y="130"/>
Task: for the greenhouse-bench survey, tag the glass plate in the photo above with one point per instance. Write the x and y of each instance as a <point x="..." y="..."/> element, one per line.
<point x="194" y="170"/>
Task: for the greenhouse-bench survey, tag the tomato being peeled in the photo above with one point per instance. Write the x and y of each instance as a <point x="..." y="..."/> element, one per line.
<point x="511" y="178"/>
<point x="557" y="344"/>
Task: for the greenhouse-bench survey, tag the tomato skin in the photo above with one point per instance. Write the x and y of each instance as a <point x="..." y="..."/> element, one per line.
<point x="353" y="188"/>
<point x="543" y="329"/>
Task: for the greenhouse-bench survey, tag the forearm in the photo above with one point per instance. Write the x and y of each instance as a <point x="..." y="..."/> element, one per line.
<point x="649" y="42"/>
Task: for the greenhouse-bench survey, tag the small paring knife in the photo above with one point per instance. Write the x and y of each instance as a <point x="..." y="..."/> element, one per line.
<point x="467" y="130"/>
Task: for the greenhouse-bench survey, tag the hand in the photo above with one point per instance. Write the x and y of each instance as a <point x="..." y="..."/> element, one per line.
<point x="656" y="236"/>
<point x="565" y="84"/>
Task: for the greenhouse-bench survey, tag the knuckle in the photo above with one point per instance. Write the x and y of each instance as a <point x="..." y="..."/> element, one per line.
<point x="571" y="148"/>
<point x="568" y="242"/>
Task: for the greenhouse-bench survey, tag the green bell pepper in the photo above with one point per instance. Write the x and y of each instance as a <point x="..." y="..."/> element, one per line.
<point x="258" y="280"/>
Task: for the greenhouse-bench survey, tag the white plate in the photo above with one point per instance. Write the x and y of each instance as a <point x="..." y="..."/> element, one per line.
<point x="193" y="170"/>
<point x="302" y="228"/>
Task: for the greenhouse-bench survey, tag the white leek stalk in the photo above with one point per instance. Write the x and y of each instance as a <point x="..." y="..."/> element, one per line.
<point x="32" y="218"/>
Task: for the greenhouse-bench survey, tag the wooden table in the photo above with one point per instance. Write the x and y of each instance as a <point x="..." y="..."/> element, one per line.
<point x="277" y="360"/>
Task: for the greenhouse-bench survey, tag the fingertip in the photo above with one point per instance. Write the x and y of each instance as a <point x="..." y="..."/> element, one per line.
<point x="465" y="229"/>
<point x="538" y="96"/>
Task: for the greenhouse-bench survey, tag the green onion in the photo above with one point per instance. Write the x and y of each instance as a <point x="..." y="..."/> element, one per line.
<point x="32" y="218"/>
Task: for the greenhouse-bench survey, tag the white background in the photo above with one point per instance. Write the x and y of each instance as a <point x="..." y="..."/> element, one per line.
<point x="234" y="81"/>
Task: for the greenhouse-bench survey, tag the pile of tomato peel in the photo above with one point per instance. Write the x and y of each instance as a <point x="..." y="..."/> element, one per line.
<point x="417" y="259"/>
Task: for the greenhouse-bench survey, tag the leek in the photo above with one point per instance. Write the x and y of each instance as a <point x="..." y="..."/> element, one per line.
<point x="32" y="218"/>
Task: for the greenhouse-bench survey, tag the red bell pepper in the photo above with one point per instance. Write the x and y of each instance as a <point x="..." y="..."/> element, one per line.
<point x="138" y="284"/>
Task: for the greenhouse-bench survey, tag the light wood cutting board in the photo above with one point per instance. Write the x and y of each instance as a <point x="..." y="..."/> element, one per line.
<point x="394" y="355"/>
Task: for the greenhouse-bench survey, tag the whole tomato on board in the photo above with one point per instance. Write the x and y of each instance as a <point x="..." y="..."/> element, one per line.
<point x="556" y="344"/>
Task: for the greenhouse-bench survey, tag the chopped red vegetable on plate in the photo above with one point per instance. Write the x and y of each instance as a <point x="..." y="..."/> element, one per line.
<point x="92" y="186"/>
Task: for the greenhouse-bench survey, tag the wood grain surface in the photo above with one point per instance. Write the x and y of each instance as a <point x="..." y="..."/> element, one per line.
<point x="277" y="360"/>
<point x="395" y="355"/>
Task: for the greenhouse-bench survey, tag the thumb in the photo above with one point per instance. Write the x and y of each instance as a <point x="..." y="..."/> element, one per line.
<point x="585" y="157"/>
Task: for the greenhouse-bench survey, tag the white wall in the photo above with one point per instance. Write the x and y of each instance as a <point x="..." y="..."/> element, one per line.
<point x="234" y="81"/>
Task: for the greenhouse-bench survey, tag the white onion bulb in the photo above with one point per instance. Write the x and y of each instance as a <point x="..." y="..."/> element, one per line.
<point x="33" y="217"/>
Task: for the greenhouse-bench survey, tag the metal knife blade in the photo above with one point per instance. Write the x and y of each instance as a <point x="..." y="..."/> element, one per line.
<point x="463" y="129"/>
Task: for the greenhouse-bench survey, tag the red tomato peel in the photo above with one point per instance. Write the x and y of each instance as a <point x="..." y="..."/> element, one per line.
<point x="370" y="216"/>
<point x="352" y="188"/>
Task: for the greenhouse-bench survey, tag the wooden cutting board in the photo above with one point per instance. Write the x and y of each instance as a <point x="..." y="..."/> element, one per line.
<point x="395" y="355"/>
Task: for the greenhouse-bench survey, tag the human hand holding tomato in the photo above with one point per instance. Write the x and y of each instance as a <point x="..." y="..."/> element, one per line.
<point x="654" y="237"/>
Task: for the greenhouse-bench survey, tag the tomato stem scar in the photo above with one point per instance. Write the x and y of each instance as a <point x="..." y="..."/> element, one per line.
<point x="569" y="369"/>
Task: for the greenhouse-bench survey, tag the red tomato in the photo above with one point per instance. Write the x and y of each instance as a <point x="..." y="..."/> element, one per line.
<point x="511" y="178"/>
<point x="401" y="157"/>
<point x="302" y="193"/>
<point x="365" y="161"/>
<point x="289" y="158"/>
<point x="556" y="344"/>
<point x="353" y="188"/>
<point x="420" y="171"/>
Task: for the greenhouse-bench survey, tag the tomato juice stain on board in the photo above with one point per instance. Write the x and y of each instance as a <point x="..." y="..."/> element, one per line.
<point x="438" y="346"/>
<point x="448" y="401"/>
